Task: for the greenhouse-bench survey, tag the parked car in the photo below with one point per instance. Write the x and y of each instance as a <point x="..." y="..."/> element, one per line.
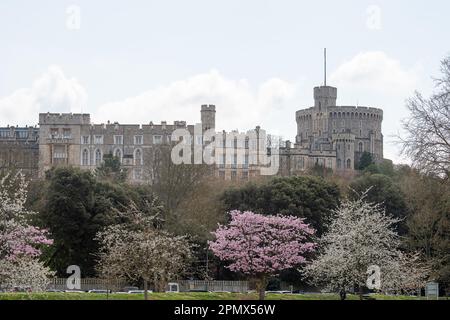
<point x="129" y="288"/>
<point x="139" y="291"/>
<point x="99" y="291"/>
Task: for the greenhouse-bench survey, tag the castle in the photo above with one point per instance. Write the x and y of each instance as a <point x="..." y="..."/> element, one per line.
<point x="332" y="136"/>
<point x="328" y="135"/>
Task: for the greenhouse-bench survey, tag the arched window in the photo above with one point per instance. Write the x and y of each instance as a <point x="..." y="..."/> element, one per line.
<point x="138" y="157"/>
<point x="360" y="147"/>
<point x="349" y="164"/>
<point x="98" y="157"/>
<point x="85" y="158"/>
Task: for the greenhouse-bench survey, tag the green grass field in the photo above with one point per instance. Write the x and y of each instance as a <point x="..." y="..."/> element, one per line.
<point x="184" y="296"/>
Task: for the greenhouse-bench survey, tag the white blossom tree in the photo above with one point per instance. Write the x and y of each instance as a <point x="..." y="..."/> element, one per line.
<point x="138" y="251"/>
<point x="362" y="235"/>
<point x="20" y="242"/>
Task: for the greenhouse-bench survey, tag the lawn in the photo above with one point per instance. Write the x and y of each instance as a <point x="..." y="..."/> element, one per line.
<point x="183" y="296"/>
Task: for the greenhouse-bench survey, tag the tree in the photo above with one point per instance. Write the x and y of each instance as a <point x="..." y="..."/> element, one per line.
<point x="365" y="160"/>
<point x="20" y="242"/>
<point x="137" y="251"/>
<point x="260" y="246"/>
<point x="427" y="140"/>
<point x="429" y="223"/>
<point x="382" y="189"/>
<point x="307" y="197"/>
<point x="111" y="170"/>
<point x="75" y="208"/>
<point x="173" y="183"/>
<point x="361" y="235"/>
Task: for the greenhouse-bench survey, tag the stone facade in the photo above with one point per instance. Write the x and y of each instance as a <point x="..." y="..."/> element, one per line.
<point x="332" y="136"/>
<point x="328" y="135"/>
<point x="19" y="149"/>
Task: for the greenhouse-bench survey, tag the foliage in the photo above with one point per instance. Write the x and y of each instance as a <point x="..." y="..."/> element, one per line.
<point x="382" y="189"/>
<point x="261" y="246"/>
<point x="427" y="141"/>
<point x="137" y="251"/>
<point x="362" y="235"/>
<point x="307" y="197"/>
<point x="111" y="170"/>
<point x="365" y="160"/>
<point x="429" y="225"/>
<point x="20" y="242"/>
<point x="75" y="208"/>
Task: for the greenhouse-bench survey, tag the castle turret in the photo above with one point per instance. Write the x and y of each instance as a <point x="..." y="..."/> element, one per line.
<point x="208" y="115"/>
<point x="324" y="96"/>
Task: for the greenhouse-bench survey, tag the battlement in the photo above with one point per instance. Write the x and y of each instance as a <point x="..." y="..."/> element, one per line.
<point x="343" y="137"/>
<point x="344" y="112"/>
<point x="210" y="107"/>
<point x="64" y="118"/>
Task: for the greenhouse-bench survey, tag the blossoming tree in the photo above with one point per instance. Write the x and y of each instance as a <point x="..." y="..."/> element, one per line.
<point x="20" y="243"/>
<point x="360" y="236"/>
<point x="137" y="250"/>
<point x="260" y="246"/>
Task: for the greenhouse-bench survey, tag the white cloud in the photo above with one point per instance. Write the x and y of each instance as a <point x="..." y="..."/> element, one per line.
<point x="238" y="105"/>
<point x="51" y="92"/>
<point x="376" y="71"/>
<point x="375" y="79"/>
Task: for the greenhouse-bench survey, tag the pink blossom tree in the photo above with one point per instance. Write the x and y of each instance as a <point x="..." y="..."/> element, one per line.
<point x="260" y="246"/>
<point x="20" y="242"/>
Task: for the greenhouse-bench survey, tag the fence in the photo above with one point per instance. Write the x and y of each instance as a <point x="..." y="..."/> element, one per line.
<point x="184" y="285"/>
<point x="88" y="284"/>
<point x="204" y="285"/>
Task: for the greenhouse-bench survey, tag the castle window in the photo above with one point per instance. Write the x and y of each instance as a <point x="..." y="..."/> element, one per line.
<point x="22" y="134"/>
<point x="138" y="157"/>
<point x="67" y="134"/>
<point x="4" y="133"/>
<point x="138" y="140"/>
<point x="234" y="163"/>
<point x="348" y="147"/>
<point x="157" y="139"/>
<point x="349" y="164"/>
<point x="360" y="147"/>
<point x="118" y="140"/>
<point x="85" y="140"/>
<point x="85" y="158"/>
<point x="233" y="175"/>
<point x="98" y="139"/>
<point x="98" y="157"/>
<point x="245" y="175"/>
<point x="246" y="161"/>
<point x="54" y="133"/>
<point x="59" y="154"/>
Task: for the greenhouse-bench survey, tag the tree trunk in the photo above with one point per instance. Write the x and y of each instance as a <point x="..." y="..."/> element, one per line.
<point x="360" y="292"/>
<point x="343" y="294"/>
<point x="261" y="287"/>
<point x="145" y="290"/>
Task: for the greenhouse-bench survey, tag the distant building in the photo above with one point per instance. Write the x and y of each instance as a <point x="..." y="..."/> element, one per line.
<point x="332" y="136"/>
<point x="329" y="136"/>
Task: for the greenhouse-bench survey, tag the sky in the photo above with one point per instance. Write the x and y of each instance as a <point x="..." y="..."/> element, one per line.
<point x="256" y="60"/>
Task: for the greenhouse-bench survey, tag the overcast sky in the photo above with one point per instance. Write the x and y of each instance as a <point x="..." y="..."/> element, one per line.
<point x="257" y="61"/>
